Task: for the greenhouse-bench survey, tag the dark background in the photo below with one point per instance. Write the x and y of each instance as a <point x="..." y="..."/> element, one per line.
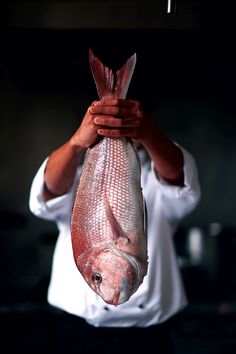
<point x="185" y="75"/>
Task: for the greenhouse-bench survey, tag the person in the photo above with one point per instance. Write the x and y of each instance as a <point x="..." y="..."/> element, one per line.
<point x="170" y="184"/>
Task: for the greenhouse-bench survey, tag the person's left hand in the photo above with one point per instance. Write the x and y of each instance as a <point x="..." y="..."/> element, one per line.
<point x="120" y="117"/>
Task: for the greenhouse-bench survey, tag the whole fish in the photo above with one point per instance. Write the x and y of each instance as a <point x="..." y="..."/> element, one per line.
<point x="108" y="216"/>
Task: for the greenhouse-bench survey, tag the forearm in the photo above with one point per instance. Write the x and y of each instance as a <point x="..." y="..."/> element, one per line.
<point x="63" y="162"/>
<point x="61" y="169"/>
<point x="166" y="156"/>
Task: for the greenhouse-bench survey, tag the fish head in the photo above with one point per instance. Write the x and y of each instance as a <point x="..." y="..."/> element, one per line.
<point x="113" y="275"/>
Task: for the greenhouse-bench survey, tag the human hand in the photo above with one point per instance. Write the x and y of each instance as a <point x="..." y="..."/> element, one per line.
<point x="114" y="118"/>
<point x="86" y="134"/>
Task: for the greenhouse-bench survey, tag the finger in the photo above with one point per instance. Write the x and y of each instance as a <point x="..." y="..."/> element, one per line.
<point x="92" y="105"/>
<point x="118" y="133"/>
<point x="114" y="101"/>
<point x="116" y="122"/>
<point x="94" y="102"/>
<point x="116" y="111"/>
<point x="137" y="142"/>
<point x="120" y="102"/>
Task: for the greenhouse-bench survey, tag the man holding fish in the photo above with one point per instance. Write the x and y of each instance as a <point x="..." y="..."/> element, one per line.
<point x="128" y="281"/>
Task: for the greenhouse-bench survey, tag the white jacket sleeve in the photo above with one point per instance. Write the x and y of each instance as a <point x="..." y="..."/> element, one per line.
<point x="178" y="201"/>
<point x="55" y="209"/>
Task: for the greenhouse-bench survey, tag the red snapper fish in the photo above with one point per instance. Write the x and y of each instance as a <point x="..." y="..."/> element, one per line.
<point x="108" y="216"/>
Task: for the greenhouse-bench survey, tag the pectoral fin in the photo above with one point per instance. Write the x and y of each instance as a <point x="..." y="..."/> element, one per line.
<point x="115" y="226"/>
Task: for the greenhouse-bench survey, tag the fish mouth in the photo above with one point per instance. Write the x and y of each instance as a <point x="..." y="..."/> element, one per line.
<point x="119" y="298"/>
<point x="115" y="301"/>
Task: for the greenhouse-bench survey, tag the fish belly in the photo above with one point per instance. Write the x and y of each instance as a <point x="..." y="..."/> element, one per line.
<point x="108" y="209"/>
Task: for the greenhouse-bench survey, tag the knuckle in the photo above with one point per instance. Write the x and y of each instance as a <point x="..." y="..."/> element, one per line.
<point x="139" y="105"/>
<point x="115" y="111"/>
<point x="116" y="101"/>
<point x="99" y="120"/>
<point x="121" y="122"/>
<point x="136" y="112"/>
<point x="139" y="113"/>
<point x="118" y="134"/>
<point x="136" y="104"/>
<point x="90" y="118"/>
<point x="115" y="133"/>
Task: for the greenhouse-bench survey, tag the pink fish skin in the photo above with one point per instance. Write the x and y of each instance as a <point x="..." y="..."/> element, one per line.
<point x="108" y="220"/>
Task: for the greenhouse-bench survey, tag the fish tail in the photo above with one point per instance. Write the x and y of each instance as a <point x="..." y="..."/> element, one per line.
<point x="108" y="82"/>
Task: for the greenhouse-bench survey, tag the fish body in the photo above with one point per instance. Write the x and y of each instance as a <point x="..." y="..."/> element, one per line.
<point x="108" y="219"/>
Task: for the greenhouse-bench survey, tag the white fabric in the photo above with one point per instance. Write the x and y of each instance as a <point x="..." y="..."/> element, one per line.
<point x="161" y="294"/>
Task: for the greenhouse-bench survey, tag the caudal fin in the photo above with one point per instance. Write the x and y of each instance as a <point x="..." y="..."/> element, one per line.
<point x="108" y="82"/>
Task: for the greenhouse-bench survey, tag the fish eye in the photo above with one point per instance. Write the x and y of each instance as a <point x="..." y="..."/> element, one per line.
<point x="96" y="277"/>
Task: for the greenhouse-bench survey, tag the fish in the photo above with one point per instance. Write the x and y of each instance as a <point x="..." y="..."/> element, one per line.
<point x="108" y="222"/>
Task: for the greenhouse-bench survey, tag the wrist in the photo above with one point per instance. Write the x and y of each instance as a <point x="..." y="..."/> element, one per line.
<point x="150" y="137"/>
<point x="76" y="146"/>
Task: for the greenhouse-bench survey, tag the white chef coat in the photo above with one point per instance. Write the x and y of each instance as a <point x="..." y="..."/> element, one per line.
<point x="162" y="293"/>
